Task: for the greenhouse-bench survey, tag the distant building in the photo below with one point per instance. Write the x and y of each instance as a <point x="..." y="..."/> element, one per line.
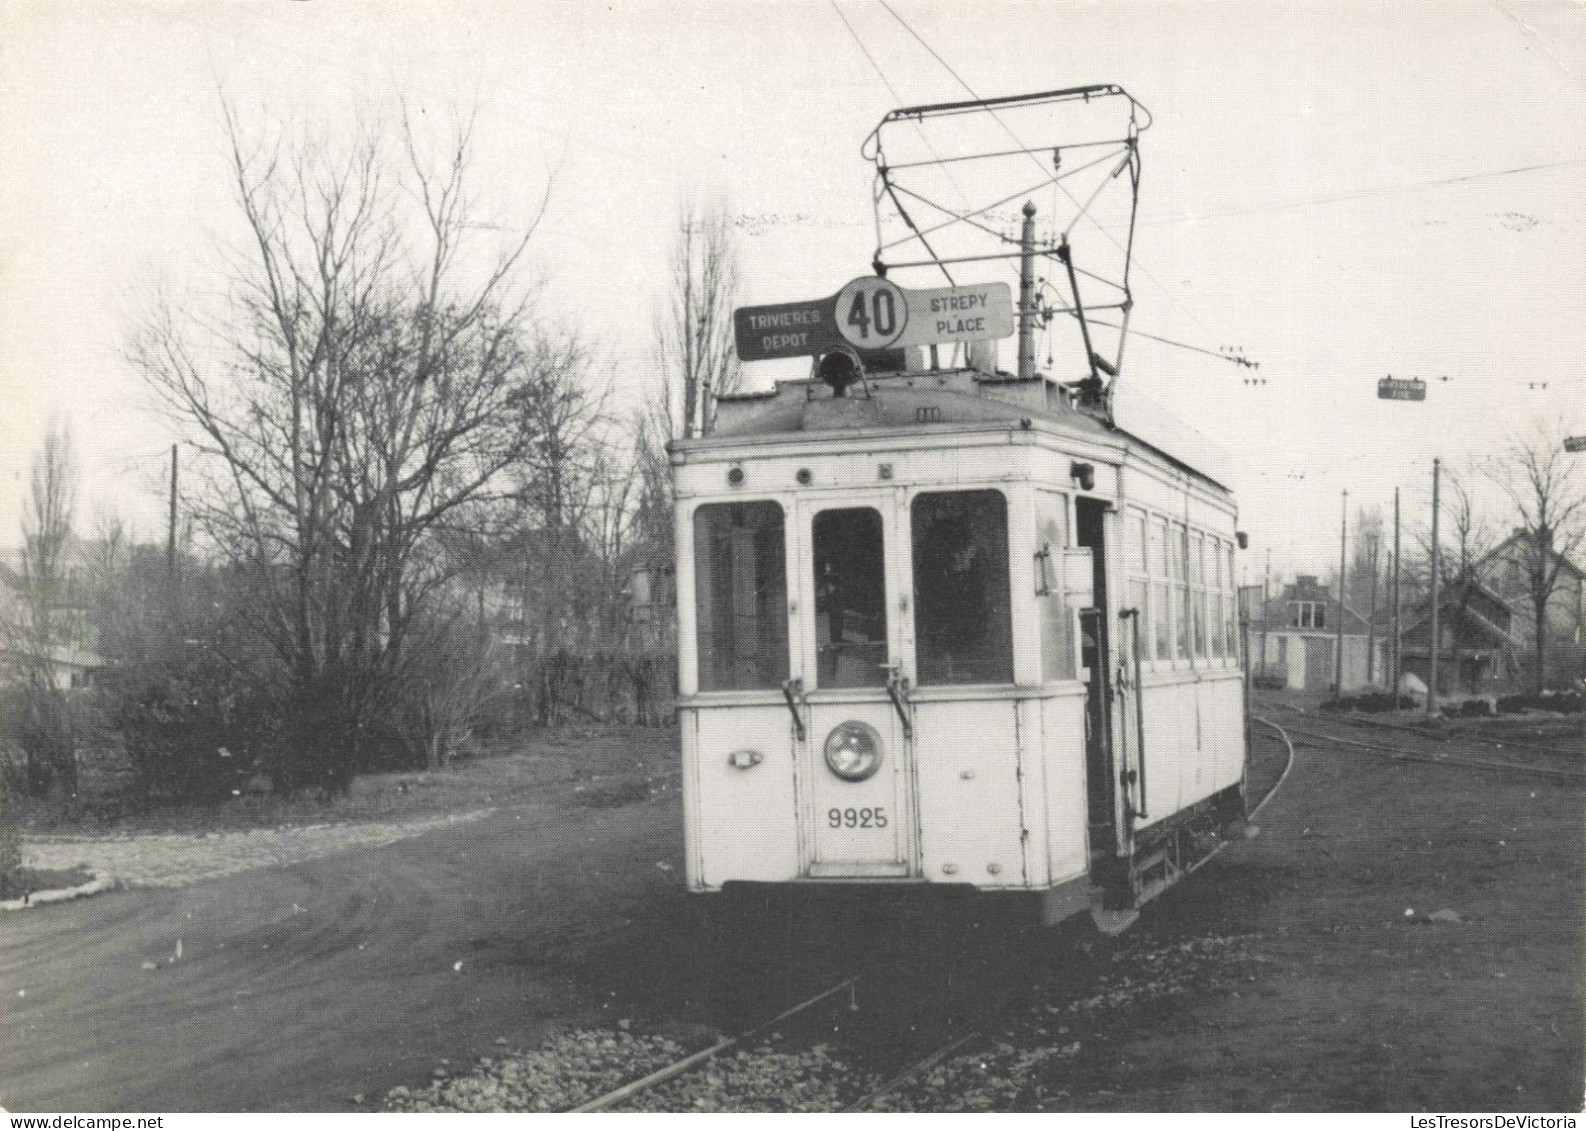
<point x="1476" y="651"/>
<point x="67" y="657"/>
<point x="1505" y="571"/>
<point x="1294" y="641"/>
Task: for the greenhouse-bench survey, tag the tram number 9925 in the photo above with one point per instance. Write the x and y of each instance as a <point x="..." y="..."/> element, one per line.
<point x="857" y="818"/>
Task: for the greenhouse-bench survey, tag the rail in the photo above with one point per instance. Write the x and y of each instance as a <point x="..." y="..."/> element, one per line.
<point x="677" y="1068"/>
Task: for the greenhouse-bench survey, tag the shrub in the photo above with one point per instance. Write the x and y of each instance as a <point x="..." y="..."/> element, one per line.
<point x="1373" y="702"/>
<point x="1268" y="682"/>
<point x="1569" y="702"/>
<point x="10" y="834"/>
<point x="194" y="731"/>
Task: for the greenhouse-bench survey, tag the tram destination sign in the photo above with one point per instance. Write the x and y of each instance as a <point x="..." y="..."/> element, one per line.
<point x="1401" y="389"/>
<point x="872" y="313"/>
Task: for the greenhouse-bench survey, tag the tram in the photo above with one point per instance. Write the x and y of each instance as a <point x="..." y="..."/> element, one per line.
<point x="945" y="626"/>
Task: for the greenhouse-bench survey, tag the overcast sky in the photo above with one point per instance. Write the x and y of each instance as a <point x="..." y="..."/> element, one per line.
<point x="1341" y="192"/>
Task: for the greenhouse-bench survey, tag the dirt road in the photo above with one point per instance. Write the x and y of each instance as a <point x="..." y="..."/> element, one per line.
<point x="299" y="987"/>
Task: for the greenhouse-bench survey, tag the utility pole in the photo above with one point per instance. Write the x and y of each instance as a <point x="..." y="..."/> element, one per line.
<point x="1343" y="541"/>
<point x="1431" y="683"/>
<point x="1027" y="294"/>
<point x="1398" y="658"/>
<point x="170" y="539"/>
<point x="1266" y="572"/>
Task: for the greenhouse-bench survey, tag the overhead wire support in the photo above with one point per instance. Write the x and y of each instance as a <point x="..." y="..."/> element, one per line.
<point x="991" y="105"/>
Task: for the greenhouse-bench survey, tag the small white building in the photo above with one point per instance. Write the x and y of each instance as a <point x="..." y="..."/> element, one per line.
<point x="1296" y="641"/>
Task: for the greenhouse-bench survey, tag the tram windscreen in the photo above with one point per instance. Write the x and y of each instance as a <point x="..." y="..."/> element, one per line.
<point x="740" y="596"/>
<point x="850" y="599"/>
<point x="962" y="618"/>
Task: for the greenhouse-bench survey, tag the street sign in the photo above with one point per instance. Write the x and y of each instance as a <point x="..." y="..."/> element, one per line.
<point x="1401" y="389"/>
<point x="789" y="329"/>
<point x="872" y="313"/>
<point x="959" y="314"/>
<point x="1575" y="444"/>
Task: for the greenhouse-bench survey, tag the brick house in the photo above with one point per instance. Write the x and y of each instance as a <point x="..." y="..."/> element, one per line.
<point x="1296" y="638"/>
<point x="1505" y="571"/>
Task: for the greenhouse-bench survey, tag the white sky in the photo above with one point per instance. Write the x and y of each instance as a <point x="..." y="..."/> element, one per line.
<point x="1290" y="203"/>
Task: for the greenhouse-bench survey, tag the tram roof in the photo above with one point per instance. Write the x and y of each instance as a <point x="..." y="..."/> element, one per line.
<point x="934" y="398"/>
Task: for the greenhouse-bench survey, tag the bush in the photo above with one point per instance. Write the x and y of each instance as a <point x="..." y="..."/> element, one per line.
<point x="194" y="732"/>
<point x="1470" y="709"/>
<point x="10" y="833"/>
<point x="1568" y="702"/>
<point x="1373" y="702"/>
<point x="1270" y="682"/>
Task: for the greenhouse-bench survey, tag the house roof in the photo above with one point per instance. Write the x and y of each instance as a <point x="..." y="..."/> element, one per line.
<point x="1453" y="603"/>
<point x="1306" y="588"/>
<point x="1509" y="543"/>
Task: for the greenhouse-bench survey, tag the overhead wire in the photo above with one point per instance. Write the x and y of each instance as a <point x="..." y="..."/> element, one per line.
<point x="936" y="157"/>
<point x="1020" y="143"/>
<point x="1360" y="194"/>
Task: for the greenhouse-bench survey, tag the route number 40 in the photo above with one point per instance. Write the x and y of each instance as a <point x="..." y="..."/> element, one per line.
<point x="871" y="313"/>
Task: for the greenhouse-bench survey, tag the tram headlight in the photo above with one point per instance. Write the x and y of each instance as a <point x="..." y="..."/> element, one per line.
<point x="853" y="751"/>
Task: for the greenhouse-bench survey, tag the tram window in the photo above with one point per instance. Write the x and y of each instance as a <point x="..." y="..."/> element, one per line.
<point x="1057" y="638"/>
<point x="1214" y="591"/>
<point x="850" y="599"/>
<point x="1138" y="567"/>
<point x="740" y="596"/>
<point x="1161" y="587"/>
<point x="1177" y="546"/>
<point x="1197" y="578"/>
<point x="1232" y="621"/>
<point x="963" y="622"/>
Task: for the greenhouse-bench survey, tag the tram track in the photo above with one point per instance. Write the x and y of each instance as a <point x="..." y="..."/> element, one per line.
<point x="1365" y="722"/>
<point x="1431" y="756"/>
<point x="873" y="1093"/>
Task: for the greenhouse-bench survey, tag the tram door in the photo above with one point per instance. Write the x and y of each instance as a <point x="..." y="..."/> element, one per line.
<point x="1101" y="699"/>
<point x="855" y="768"/>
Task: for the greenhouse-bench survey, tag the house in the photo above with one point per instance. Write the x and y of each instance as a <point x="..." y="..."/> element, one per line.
<point x="1476" y="650"/>
<point x="65" y="658"/>
<point x="1506" y="571"/>
<point x="1295" y="640"/>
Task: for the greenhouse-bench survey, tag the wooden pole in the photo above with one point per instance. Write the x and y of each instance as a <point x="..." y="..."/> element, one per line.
<point x="1436" y="641"/>
<point x="1398" y="657"/>
<point x="170" y="539"/>
<point x="1266" y="573"/>
<point x="1343" y="541"/>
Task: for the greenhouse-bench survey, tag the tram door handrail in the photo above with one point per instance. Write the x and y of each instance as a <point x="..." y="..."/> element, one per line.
<point x="1133" y="616"/>
<point x="793" y="693"/>
<point x="898" y="692"/>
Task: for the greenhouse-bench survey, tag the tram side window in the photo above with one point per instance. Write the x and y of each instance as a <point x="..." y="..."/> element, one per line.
<point x="1232" y="621"/>
<point x="850" y="599"/>
<point x="1214" y="590"/>
<point x="1138" y="568"/>
<point x="962" y="617"/>
<point x="740" y="596"/>
<point x="1161" y="589"/>
<point x="1178" y="544"/>
<point x="1197" y="578"/>
<point x="1051" y="536"/>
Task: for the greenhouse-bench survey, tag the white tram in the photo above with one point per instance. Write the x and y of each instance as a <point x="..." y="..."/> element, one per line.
<point x="943" y="626"/>
<point x="949" y="629"/>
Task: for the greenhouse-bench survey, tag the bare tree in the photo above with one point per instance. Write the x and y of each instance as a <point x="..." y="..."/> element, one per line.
<point x="693" y="335"/>
<point x="47" y="619"/>
<point x="1549" y="500"/>
<point x="361" y="388"/>
<point x="1365" y="576"/>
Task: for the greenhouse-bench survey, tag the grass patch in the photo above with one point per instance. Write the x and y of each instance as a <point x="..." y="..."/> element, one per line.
<point x="29" y="881"/>
<point x="594" y="766"/>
